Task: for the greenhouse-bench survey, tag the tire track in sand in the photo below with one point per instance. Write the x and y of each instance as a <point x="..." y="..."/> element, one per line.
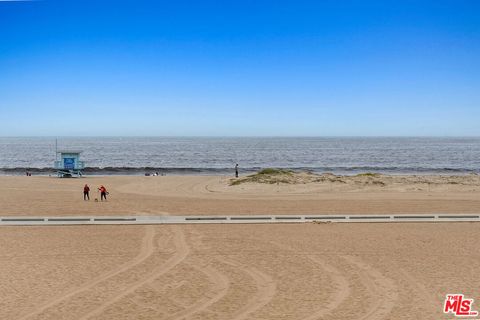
<point x="342" y="292"/>
<point x="384" y="290"/>
<point x="266" y="289"/>
<point x="146" y="250"/>
<point x="342" y="282"/>
<point x="181" y="252"/>
<point x="423" y="294"/>
<point x="221" y="285"/>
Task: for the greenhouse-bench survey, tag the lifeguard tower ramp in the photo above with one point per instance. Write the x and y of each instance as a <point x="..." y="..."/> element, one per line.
<point x="68" y="164"/>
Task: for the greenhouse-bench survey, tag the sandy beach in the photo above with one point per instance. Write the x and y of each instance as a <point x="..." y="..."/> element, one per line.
<point x="184" y="195"/>
<point x="258" y="160"/>
<point x="308" y="271"/>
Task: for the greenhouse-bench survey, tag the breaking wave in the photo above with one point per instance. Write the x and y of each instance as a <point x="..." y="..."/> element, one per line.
<point x="223" y="171"/>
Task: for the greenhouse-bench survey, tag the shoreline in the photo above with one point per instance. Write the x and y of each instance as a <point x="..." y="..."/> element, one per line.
<point x="43" y="172"/>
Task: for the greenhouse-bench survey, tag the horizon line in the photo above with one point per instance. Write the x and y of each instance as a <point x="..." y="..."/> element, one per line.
<point x="241" y="136"/>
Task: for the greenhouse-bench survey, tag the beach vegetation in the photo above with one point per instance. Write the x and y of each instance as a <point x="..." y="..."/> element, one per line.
<point x="267" y="176"/>
<point x="368" y="174"/>
<point x="274" y="171"/>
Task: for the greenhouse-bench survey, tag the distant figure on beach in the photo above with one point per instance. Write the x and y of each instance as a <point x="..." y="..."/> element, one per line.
<point x="86" y="193"/>
<point x="236" y="170"/>
<point x="103" y="193"/>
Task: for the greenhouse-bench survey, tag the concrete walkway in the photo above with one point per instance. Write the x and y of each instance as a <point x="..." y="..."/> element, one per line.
<point x="86" y="220"/>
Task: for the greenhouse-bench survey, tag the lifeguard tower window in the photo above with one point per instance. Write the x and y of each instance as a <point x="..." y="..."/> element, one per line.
<point x="68" y="164"/>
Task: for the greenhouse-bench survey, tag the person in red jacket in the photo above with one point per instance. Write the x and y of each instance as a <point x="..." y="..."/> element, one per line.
<point x="103" y="193"/>
<point x="86" y="192"/>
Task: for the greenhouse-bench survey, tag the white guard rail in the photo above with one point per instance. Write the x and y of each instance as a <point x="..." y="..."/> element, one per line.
<point x="88" y="220"/>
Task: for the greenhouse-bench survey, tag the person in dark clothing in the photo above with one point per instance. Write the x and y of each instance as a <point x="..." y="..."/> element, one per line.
<point x="86" y="192"/>
<point x="236" y="170"/>
<point x="103" y="193"/>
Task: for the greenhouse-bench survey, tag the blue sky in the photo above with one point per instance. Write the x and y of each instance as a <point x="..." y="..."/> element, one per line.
<point x="240" y="68"/>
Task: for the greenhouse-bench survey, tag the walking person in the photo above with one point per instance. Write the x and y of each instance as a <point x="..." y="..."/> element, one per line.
<point x="86" y="193"/>
<point x="236" y="170"/>
<point x="103" y="193"/>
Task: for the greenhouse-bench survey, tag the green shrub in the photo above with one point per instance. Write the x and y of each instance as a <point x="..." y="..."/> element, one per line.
<point x="368" y="174"/>
<point x="268" y="175"/>
<point x="273" y="171"/>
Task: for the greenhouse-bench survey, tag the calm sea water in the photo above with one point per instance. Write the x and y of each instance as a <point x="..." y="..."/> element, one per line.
<point x="137" y="155"/>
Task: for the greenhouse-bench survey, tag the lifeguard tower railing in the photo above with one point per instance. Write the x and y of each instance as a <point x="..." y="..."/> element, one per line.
<point x="79" y="165"/>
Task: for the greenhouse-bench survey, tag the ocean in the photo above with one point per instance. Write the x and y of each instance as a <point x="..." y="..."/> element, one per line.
<point x="205" y="155"/>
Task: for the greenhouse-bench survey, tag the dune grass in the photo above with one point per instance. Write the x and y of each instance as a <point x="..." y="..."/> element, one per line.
<point x="267" y="175"/>
<point x="273" y="171"/>
<point x="368" y="174"/>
